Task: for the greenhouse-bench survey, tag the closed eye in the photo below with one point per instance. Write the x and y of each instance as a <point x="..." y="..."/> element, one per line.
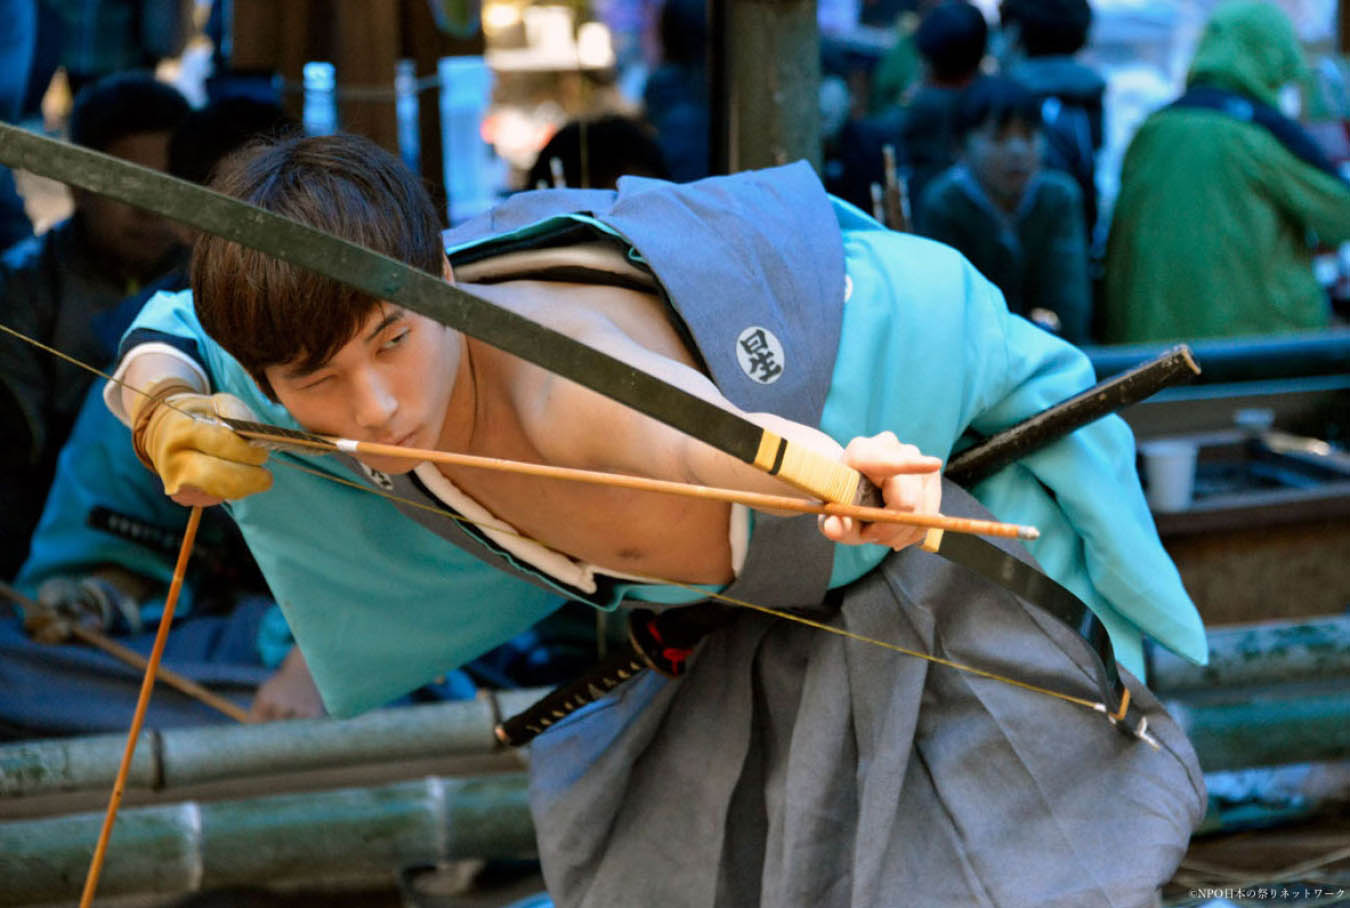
<point x="395" y="340"/>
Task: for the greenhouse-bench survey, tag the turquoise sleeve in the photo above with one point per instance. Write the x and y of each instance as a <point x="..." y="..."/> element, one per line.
<point x="932" y="353"/>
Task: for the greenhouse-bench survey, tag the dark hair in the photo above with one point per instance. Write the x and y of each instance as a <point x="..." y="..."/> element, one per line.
<point x="994" y="99"/>
<point x="615" y="145"/>
<point x="206" y="136"/>
<point x="265" y="311"/>
<point x="683" y="30"/>
<point x="1048" y="27"/>
<point x="124" y="104"/>
<point x="952" y="37"/>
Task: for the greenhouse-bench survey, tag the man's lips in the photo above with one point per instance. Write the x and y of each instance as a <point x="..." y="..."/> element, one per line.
<point x="404" y="440"/>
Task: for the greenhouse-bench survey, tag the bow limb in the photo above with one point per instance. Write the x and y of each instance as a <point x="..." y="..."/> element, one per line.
<point x="384" y="278"/>
<point x="142" y="703"/>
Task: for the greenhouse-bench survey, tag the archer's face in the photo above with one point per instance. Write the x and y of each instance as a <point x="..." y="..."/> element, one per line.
<point x="390" y="384"/>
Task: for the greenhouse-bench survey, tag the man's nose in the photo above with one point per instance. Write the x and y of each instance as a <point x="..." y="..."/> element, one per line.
<point x="1017" y="146"/>
<point x="374" y="402"/>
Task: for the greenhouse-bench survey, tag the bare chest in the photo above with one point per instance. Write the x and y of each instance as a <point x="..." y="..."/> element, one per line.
<point x="616" y="529"/>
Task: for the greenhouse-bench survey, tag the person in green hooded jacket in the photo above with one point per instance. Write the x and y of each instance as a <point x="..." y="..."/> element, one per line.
<point x="1221" y="197"/>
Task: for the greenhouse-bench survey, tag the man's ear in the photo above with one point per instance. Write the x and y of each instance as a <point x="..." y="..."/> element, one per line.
<point x="447" y="273"/>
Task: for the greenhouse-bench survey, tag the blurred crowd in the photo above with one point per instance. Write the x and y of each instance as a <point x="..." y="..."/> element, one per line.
<point x="986" y="135"/>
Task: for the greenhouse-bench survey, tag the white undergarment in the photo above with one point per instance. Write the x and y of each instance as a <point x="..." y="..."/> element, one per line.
<point x="574" y="573"/>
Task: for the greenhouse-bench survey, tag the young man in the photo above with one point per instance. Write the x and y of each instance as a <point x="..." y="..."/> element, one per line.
<point x="787" y="766"/>
<point x="1019" y="224"/>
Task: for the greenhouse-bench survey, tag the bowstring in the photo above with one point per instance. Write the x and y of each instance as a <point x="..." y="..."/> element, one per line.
<point x="502" y="527"/>
<point x="506" y="529"/>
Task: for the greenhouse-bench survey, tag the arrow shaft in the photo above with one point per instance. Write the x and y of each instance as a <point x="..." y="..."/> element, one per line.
<point x="637" y="483"/>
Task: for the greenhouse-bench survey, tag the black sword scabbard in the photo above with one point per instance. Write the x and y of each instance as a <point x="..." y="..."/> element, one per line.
<point x="561" y="703"/>
<point x="661" y="641"/>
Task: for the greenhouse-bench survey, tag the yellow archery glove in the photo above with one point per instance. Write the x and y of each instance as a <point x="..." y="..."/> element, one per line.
<point x="175" y="433"/>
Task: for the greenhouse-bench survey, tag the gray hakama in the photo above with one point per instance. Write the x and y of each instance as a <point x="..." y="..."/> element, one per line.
<point x="791" y="767"/>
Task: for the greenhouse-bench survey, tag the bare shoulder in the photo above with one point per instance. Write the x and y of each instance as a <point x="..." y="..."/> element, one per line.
<point x="591" y="313"/>
<point x="559" y="415"/>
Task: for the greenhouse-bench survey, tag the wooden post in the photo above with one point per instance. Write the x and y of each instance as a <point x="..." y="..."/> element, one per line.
<point x="769" y="82"/>
<point x="364" y="40"/>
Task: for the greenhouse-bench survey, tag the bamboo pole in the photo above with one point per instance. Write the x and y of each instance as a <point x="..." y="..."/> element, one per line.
<point x="1259" y="655"/>
<point x="291" y="838"/>
<point x="172" y="759"/>
<point x="1272" y="658"/>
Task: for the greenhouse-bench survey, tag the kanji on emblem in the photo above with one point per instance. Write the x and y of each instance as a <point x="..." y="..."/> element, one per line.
<point x="760" y="360"/>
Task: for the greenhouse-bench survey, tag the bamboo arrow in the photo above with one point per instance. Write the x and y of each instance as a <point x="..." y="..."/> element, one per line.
<point x="282" y="437"/>
<point x="142" y="703"/>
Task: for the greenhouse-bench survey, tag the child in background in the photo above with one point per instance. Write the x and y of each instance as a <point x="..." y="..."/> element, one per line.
<point x="1041" y="39"/>
<point x="1019" y="224"/>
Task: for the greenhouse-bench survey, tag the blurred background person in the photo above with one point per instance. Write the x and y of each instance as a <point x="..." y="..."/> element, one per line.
<point x="102" y="557"/>
<point x="1041" y="38"/>
<point x="56" y="287"/>
<point x="1019" y="223"/>
<point x="951" y="40"/>
<point x="1219" y="194"/>
<point x="103" y="550"/>
<point x="595" y="153"/>
<point x="675" y="98"/>
<point x="102" y="37"/>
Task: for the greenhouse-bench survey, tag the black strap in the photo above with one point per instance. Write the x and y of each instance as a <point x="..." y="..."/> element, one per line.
<point x="661" y="641"/>
<point x="1287" y="132"/>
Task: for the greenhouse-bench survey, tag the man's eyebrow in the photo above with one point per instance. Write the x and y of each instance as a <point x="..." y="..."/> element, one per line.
<point x="298" y="373"/>
<point x="390" y="317"/>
